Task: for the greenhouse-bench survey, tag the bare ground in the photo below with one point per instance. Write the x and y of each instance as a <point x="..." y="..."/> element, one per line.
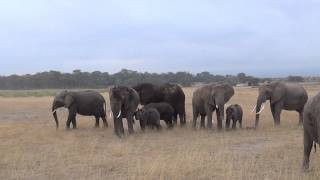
<point x="31" y="147"/>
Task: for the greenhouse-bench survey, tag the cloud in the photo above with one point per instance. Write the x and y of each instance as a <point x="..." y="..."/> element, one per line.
<point x="264" y="38"/>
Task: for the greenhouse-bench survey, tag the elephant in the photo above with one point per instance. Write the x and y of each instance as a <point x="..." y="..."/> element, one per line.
<point x="210" y="98"/>
<point x="166" y="112"/>
<point x="87" y="103"/>
<point x="124" y="102"/>
<point x="149" y="117"/>
<point x="168" y="92"/>
<point x="281" y="95"/>
<point x="234" y="112"/>
<point x="311" y="127"/>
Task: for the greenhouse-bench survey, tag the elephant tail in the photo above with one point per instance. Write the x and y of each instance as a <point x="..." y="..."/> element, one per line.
<point x="315" y="146"/>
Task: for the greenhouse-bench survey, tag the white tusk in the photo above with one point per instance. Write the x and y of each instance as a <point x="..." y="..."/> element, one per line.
<point x="110" y="114"/>
<point x="119" y="114"/>
<point x="54" y="111"/>
<point x="217" y="106"/>
<point x="254" y="108"/>
<point x="261" y="109"/>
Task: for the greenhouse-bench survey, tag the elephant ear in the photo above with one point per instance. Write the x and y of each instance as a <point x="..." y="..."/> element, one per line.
<point x="68" y="100"/>
<point x="277" y="94"/>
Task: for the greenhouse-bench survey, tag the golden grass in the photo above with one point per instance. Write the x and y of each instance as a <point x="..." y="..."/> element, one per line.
<point x="31" y="148"/>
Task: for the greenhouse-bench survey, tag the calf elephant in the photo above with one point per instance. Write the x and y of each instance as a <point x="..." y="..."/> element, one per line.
<point x="166" y="112"/>
<point x="87" y="103"/>
<point x="311" y="127"/>
<point x="290" y="97"/>
<point x="234" y="112"/>
<point x="148" y="117"/>
<point x="210" y="98"/>
<point x="124" y="102"/>
<point x="170" y="93"/>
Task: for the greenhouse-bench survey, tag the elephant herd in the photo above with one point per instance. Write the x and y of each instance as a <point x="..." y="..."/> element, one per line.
<point x="167" y="102"/>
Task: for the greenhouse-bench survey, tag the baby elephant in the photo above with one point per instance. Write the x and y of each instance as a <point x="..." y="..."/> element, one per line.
<point x="166" y="112"/>
<point x="234" y="113"/>
<point x="148" y="117"/>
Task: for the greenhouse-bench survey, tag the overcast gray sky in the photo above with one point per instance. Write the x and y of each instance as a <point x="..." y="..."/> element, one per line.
<point x="262" y="38"/>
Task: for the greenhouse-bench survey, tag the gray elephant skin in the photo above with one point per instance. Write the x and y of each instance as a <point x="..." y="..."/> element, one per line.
<point x="234" y="112"/>
<point x="311" y="127"/>
<point x="282" y="96"/>
<point x="166" y="112"/>
<point x="149" y="117"/>
<point x="168" y="92"/>
<point x="210" y="98"/>
<point x="87" y="103"/>
<point x="124" y="102"/>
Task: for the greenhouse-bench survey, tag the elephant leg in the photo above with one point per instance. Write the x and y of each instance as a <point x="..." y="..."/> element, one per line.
<point x="234" y="124"/>
<point x="74" y="123"/>
<point x="308" y="142"/>
<point x="97" y="121"/>
<point x="209" y="118"/>
<point x="130" y="123"/>
<point x="120" y="126"/>
<point x="240" y="122"/>
<point x="227" y="123"/>
<point x="195" y="117"/>
<point x="300" y="117"/>
<point x="182" y="119"/>
<point x="219" y="120"/>
<point x="202" y="123"/>
<point x="116" y="126"/>
<point x="277" y="108"/>
<point x="105" y="122"/>
<point x="71" y="117"/>
<point x="175" y="117"/>
<point x="142" y="124"/>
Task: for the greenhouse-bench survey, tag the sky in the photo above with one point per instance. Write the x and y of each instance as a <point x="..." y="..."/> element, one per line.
<point x="266" y="38"/>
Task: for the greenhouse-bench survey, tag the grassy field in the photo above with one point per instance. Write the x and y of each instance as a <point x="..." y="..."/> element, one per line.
<point x="31" y="147"/>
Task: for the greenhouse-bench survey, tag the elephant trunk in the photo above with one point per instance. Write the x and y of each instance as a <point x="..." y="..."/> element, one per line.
<point x="54" y="113"/>
<point x="56" y="119"/>
<point x="260" y="101"/>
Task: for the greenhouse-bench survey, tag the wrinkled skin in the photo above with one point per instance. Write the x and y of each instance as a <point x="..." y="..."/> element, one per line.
<point x="166" y="112"/>
<point x="208" y="99"/>
<point x="234" y="112"/>
<point x="311" y="127"/>
<point x="87" y="103"/>
<point x="170" y="93"/>
<point x="291" y="97"/>
<point x="148" y="117"/>
<point x="124" y="102"/>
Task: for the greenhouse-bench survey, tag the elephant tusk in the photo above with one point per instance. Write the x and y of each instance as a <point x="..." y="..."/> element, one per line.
<point x="261" y="109"/>
<point x="217" y="107"/>
<point x="119" y="114"/>
<point x="254" y="108"/>
<point x="54" y="111"/>
<point x="110" y="115"/>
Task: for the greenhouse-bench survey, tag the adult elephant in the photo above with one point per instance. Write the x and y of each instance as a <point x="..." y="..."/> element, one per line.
<point x="311" y="127"/>
<point x="124" y="102"/>
<point x="87" y="103"/>
<point x="210" y="98"/>
<point x="168" y="92"/>
<point x="290" y="97"/>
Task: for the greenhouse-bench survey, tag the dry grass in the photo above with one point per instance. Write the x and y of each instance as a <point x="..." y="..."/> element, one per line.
<point x="31" y="148"/>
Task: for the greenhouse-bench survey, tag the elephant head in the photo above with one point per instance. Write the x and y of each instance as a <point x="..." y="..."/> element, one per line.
<point x="124" y="102"/>
<point x="272" y="92"/>
<point x="63" y="99"/>
<point x="220" y="95"/>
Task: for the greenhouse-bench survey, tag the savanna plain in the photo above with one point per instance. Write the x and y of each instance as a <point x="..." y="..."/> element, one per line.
<point x="32" y="148"/>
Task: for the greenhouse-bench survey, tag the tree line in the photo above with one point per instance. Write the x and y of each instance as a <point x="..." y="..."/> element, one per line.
<point x="97" y="79"/>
